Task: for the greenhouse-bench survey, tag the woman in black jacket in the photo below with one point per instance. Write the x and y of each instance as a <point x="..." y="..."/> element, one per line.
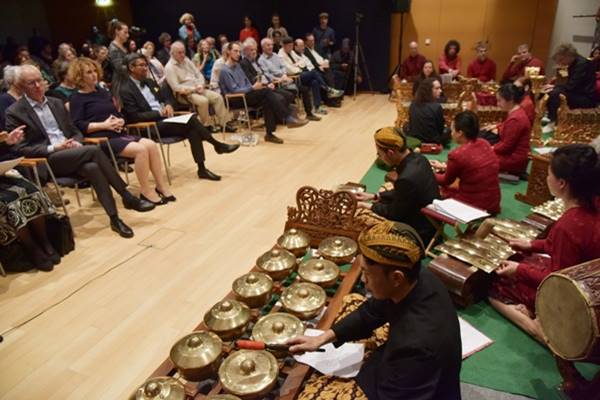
<point x="426" y="117"/>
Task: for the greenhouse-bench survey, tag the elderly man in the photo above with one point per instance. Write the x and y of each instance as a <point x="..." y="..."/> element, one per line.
<point x="415" y="187"/>
<point x="421" y="358"/>
<point x="163" y="54"/>
<point x="518" y="63"/>
<point x="188" y="84"/>
<point x="580" y="88"/>
<point x="233" y="80"/>
<point x="51" y="134"/>
<point x="413" y="64"/>
<point x="483" y="67"/>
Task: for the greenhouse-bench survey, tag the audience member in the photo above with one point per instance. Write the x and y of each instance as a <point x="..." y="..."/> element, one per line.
<point x="156" y="70"/>
<point x="131" y="46"/>
<point x="332" y="96"/>
<point x="412" y="65"/>
<point x="222" y="39"/>
<point x="473" y="163"/>
<point x="324" y="36"/>
<point x="66" y="54"/>
<point x="188" y="85"/>
<point x="43" y="58"/>
<point x="426" y="116"/>
<point x="51" y="134"/>
<point x="518" y="62"/>
<point x="141" y="99"/>
<point x="188" y="33"/>
<point x="580" y="88"/>
<point x="164" y="53"/>
<point x="573" y="177"/>
<point x="117" y="50"/>
<point x="11" y="95"/>
<point x="317" y="60"/>
<point x="217" y="67"/>
<point x="248" y="31"/>
<point x="101" y="53"/>
<point x="450" y="62"/>
<point x="205" y="58"/>
<point x="95" y="115"/>
<point x="482" y="68"/>
<point x="414" y="188"/>
<point x="66" y="87"/>
<point x="233" y="80"/>
<point x="276" y="27"/>
<point x="342" y="65"/>
<point x="277" y="41"/>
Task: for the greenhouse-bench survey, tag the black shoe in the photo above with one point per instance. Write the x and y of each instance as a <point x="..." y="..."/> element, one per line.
<point x="313" y="117"/>
<point x="167" y="198"/>
<point x="161" y="202"/>
<point x="117" y="225"/>
<point x="133" y="203"/>
<point x="223" y="148"/>
<point x="207" y="174"/>
<point x="52" y="255"/>
<point x="41" y="260"/>
<point x="295" y="122"/>
<point x="273" y="139"/>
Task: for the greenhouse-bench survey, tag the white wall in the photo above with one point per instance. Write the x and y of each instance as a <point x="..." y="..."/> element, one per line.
<point x="568" y="29"/>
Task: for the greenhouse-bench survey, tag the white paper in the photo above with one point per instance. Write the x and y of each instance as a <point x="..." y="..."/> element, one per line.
<point x="9" y="164"/>
<point x="544" y="150"/>
<point x="472" y="340"/>
<point x="344" y="361"/>
<point x="459" y="211"/>
<point x="179" y="119"/>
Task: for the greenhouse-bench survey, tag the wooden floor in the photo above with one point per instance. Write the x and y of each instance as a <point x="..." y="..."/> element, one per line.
<point x="101" y="322"/>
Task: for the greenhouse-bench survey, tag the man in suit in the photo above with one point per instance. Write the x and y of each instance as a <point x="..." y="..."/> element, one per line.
<point x="142" y="102"/>
<point x="51" y="134"/>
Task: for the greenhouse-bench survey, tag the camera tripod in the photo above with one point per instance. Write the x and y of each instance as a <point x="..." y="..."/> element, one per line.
<point x="358" y="52"/>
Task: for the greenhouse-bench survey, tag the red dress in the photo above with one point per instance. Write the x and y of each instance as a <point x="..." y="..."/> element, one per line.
<point x="573" y="239"/>
<point x="246" y="33"/>
<point x="517" y="69"/>
<point x="513" y="148"/>
<point x="484" y="70"/>
<point x="529" y="108"/>
<point x="447" y="64"/>
<point x="476" y="166"/>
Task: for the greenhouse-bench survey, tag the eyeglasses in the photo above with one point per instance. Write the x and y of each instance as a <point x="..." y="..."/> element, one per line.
<point x="34" y="82"/>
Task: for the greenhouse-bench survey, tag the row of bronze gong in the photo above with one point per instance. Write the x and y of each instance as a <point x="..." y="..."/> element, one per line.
<point x="208" y="361"/>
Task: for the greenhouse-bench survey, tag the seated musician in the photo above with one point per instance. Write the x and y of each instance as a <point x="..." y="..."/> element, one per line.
<point x="574" y="177"/>
<point x="528" y="101"/>
<point x="510" y="139"/>
<point x="413" y="64"/>
<point x="422" y="356"/>
<point x="426" y="116"/>
<point x="518" y="63"/>
<point x="450" y="62"/>
<point x="482" y="68"/>
<point x="414" y="188"/>
<point x="473" y="163"/>
<point x="580" y="88"/>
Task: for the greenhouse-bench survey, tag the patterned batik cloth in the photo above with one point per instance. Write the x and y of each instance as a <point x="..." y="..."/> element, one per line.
<point x="319" y="386"/>
<point x="20" y="202"/>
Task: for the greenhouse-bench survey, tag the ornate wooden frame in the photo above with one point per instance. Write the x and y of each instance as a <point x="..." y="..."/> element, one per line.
<point x="537" y="189"/>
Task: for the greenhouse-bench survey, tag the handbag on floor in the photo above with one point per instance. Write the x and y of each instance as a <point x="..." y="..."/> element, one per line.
<point x="60" y="233"/>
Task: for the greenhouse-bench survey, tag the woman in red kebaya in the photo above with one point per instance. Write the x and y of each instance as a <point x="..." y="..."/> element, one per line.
<point x="248" y="31"/>
<point x="574" y="177"/>
<point x="473" y="163"/>
<point x="450" y="62"/>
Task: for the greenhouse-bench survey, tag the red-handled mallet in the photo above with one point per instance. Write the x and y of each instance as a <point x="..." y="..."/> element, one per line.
<point x="258" y="345"/>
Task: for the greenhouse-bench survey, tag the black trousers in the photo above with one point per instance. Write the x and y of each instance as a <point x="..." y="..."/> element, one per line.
<point x="574" y="100"/>
<point x="195" y="133"/>
<point x="273" y="108"/>
<point x="90" y="163"/>
<point x="305" y="95"/>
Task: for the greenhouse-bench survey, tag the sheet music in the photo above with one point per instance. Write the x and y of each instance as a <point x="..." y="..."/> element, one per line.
<point x="179" y="119"/>
<point x="457" y="210"/>
<point x="472" y="340"/>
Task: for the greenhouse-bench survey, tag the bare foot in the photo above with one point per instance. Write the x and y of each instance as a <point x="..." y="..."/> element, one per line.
<point x="523" y="310"/>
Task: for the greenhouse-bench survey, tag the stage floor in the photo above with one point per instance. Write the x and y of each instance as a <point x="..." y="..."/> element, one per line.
<point x="107" y="316"/>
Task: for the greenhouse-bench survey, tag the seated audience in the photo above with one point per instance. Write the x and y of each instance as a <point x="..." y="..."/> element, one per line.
<point x="217" y="67"/>
<point x="512" y="142"/>
<point x="422" y="356"/>
<point x="248" y="31"/>
<point x="473" y="163"/>
<point x="164" y="53"/>
<point x="222" y="39"/>
<point x="482" y="68"/>
<point x="12" y="94"/>
<point x="276" y="27"/>
<point x="233" y="80"/>
<point x="59" y="141"/>
<point x="141" y="99"/>
<point x="518" y="63"/>
<point x="414" y="188"/>
<point x="317" y="60"/>
<point x="188" y="85"/>
<point x="574" y="177"/>
<point x="450" y="62"/>
<point x="412" y="65"/>
<point x="42" y="56"/>
<point x="101" y="53"/>
<point x="131" y="46"/>
<point x="425" y="114"/>
<point x="66" y="54"/>
<point x="331" y="94"/>
<point x="342" y="65"/>
<point x="277" y="41"/>
<point x="205" y="58"/>
<point x="580" y="88"/>
<point x="117" y="50"/>
<point x="66" y="87"/>
<point x="324" y="36"/>
<point x="156" y="70"/>
<point x="95" y="115"/>
<point x="188" y="33"/>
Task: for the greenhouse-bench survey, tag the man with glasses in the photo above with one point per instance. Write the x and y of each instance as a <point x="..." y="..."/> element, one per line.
<point x="51" y="134"/>
<point x="142" y="102"/>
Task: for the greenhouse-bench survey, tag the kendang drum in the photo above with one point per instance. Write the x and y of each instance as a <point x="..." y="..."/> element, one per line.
<point x="568" y="308"/>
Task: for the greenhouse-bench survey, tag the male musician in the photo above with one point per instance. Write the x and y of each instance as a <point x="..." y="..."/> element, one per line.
<point x="422" y="356"/>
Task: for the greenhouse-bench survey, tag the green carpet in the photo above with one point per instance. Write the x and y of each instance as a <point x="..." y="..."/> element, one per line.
<point x="515" y="363"/>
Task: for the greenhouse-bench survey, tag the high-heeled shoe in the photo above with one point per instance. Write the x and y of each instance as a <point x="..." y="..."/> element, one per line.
<point x="167" y="198"/>
<point x="161" y="202"/>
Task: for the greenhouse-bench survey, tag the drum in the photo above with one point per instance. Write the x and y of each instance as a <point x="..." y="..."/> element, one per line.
<point x="465" y="283"/>
<point x="568" y="308"/>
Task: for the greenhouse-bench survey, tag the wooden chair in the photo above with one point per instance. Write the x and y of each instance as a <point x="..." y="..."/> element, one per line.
<point x="33" y="164"/>
<point x="247" y="109"/>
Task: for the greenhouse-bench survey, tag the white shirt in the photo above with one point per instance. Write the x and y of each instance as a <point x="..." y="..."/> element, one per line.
<point x="320" y="60"/>
<point x="150" y="98"/>
<point x="293" y="65"/>
<point x="44" y="113"/>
